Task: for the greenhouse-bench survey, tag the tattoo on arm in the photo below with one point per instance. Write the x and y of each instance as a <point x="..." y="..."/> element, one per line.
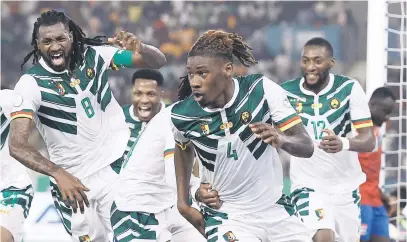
<point x="23" y="151"/>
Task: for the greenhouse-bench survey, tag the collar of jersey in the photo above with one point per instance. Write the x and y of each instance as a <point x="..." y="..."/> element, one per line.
<point x="232" y="100"/>
<point x="49" y="69"/>
<point x="323" y="91"/>
<point x="134" y="117"/>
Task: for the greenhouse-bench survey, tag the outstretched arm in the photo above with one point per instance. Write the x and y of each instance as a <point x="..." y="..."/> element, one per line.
<point x="72" y="190"/>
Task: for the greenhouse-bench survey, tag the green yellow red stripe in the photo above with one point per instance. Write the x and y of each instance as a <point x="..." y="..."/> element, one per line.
<point x="362" y="123"/>
<point x="289" y="123"/>
<point x="168" y="153"/>
<point x="22" y="114"/>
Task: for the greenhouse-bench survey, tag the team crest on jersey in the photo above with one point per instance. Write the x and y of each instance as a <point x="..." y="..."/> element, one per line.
<point x="205" y="128"/>
<point x="245" y="117"/>
<point x="84" y="238"/>
<point x="230" y="237"/>
<point x="90" y="73"/>
<point x="320" y="213"/>
<point x="334" y="103"/>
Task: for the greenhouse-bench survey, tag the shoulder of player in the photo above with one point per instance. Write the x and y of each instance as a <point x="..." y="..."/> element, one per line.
<point x="342" y="82"/>
<point x="246" y="82"/>
<point x="292" y="84"/>
<point x="184" y="107"/>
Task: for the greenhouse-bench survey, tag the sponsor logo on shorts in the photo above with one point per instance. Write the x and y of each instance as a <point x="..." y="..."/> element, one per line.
<point x="230" y="237"/>
<point x="84" y="238"/>
<point x="320" y="213"/>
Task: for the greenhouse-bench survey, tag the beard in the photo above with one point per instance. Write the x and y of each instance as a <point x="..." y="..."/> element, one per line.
<point x="50" y="62"/>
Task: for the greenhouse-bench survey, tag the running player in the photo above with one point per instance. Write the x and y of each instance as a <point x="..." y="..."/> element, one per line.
<point x="228" y="121"/>
<point x="325" y="186"/>
<point x="144" y="205"/>
<point x="375" y="221"/>
<point x="67" y="94"/>
<point x="16" y="192"/>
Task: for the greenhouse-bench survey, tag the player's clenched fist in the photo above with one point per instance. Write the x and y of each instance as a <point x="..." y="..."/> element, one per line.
<point x="331" y="143"/>
<point x="126" y="41"/>
<point x="72" y="190"/>
<point x="208" y="196"/>
<point x="267" y="133"/>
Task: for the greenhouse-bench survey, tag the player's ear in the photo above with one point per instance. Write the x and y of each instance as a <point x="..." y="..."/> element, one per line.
<point x="228" y="70"/>
<point x="332" y="62"/>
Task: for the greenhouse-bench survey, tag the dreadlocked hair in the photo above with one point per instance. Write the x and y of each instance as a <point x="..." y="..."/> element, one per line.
<point x="217" y="43"/>
<point x="52" y="17"/>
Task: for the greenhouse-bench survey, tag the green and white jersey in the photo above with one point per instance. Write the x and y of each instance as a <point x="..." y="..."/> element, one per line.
<point x="12" y="172"/>
<point x="80" y="121"/>
<point x="339" y="105"/>
<point x="135" y="126"/>
<point x="246" y="172"/>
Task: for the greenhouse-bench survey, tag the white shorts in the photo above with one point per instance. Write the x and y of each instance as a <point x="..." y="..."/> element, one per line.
<point x="338" y="212"/>
<point x="94" y="224"/>
<point x="168" y="225"/>
<point x="277" y="223"/>
<point x="14" y="208"/>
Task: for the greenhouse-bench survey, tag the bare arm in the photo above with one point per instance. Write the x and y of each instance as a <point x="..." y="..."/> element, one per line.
<point x="23" y="151"/>
<point x="184" y="160"/>
<point x="148" y="57"/>
<point x="297" y="142"/>
<point x="365" y="141"/>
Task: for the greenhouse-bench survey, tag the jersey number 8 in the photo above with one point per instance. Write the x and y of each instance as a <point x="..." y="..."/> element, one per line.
<point x="87" y="106"/>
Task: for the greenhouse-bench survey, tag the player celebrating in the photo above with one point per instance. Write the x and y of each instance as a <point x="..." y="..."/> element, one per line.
<point x="229" y="123"/>
<point x="144" y="204"/>
<point x="325" y="186"/>
<point x="146" y="102"/>
<point x="67" y="94"/>
<point x="16" y="192"/>
<point x="375" y="221"/>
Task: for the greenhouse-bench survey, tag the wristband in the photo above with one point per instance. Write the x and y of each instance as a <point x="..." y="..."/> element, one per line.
<point x="345" y="143"/>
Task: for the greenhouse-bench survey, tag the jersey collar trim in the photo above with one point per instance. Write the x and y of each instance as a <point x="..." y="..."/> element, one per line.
<point x="134" y="117"/>
<point x="49" y="69"/>
<point x="230" y="103"/>
<point x="323" y="91"/>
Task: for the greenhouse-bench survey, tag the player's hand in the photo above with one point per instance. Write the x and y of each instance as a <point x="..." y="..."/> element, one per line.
<point x="194" y="217"/>
<point x="72" y="190"/>
<point x="126" y="41"/>
<point x="331" y="143"/>
<point x="208" y="196"/>
<point x="267" y="133"/>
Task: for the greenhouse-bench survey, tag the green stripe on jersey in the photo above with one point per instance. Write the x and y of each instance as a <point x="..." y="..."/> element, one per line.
<point x="58" y="100"/>
<point x="66" y="128"/>
<point x="4" y="127"/>
<point x="57" y="113"/>
<point x="134" y="126"/>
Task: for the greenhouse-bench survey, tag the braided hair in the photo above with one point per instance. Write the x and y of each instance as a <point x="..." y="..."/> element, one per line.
<point x="217" y="43"/>
<point x="52" y="17"/>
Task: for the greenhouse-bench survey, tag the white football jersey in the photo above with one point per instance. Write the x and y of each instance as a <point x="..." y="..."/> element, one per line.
<point x="80" y="121"/>
<point x="147" y="180"/>
<point x="342" y="107"/>
<point x="246" y="172"/>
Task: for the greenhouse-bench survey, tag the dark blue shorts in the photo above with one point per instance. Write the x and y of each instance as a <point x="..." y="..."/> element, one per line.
<point x="374" y="222"/>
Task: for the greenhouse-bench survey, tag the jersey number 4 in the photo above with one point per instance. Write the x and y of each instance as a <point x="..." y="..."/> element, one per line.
<point x="87" y="106"/>
<point x="231" y="153"/>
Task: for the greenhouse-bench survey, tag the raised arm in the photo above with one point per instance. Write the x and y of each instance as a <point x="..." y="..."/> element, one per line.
<point x="143" y="55"/>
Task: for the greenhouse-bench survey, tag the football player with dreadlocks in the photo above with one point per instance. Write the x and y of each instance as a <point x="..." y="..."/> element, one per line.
<point x="67" y="95"/>
<point x="229" y="123"/>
